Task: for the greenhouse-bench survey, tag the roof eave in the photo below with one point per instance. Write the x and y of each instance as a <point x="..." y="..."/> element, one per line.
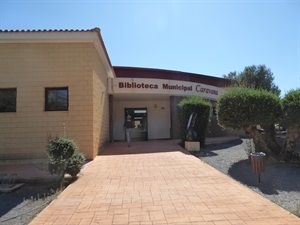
<point x="90" y="36"/>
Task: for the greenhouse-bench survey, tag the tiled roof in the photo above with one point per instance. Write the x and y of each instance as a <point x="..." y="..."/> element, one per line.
<point x="53" y="30"/>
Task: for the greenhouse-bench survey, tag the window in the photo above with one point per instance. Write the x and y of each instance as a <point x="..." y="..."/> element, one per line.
<point x="8" y="99"/>
<point x="57" y="99"/>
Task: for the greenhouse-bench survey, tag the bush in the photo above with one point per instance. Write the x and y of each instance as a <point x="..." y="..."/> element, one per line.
<point x="291" y="120"/>
<point x="291" y="107"/>
<point x="61" y="147"/>
<point x="241" y="107"/>
<point x="64" y="156"/>
<point x="75" y="164"/>
<point x="56" y="166"/>
<point x="191" y="105"/>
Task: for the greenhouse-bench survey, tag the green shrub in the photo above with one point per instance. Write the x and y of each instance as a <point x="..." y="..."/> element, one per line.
<point x="291" y="107"/>
<point x="75" y="164"/>
<point x="61" y="147"/>
<point x="56" y="166"/>
<point x="64" y="156"/>
<point x="240" y="107"/>
<point x="191" y="105"/>
<point x="291" y="120"/>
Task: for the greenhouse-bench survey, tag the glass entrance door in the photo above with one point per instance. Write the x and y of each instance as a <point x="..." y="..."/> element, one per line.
<point x="139" y="119"/>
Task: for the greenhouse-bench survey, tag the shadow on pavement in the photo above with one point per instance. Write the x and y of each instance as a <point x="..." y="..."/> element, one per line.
<point x="220" y="146"/>
<point x="284" y="177"/>
<point x="209" y="149"/>
<point x="143" y="147"/>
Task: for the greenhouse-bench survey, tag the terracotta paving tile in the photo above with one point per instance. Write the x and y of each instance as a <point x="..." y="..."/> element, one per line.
<point x="213" y="217"/>
<point x="121" y="219"/>
<point x="237" y="222"/>
<point x="68" y="210"/>
<point x="143" y="216"/>
<point x="157" y="216"/>
<point x="153" y="208"/>
<point x="196" y="219"/>
<point x="231" y="216"/>
<point x="62" y="219"/>
<point x="83" y="215"/>
<point x="177" y="220"/>
<point x="202" y="223"/>
<point x="222" y="222"/>
<point x="52" y="218"/>
<point x="101" y="218"/>
<point x="37" y="221"/>
<point x="159" y="222"/>
<point x="146" y="223"/>
<point x="171" y="215"/>
<point x="85" y="221"/>
<point x="73" y="222"/>
<point x="156" y="182"/>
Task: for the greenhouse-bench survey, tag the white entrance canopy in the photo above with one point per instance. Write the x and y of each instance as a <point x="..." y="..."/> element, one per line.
<point x="161" y="87"/>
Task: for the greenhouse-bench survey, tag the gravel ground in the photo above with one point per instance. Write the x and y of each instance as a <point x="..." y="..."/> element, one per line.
<point x="21" y="206"/>
<point x="280" y="182"/>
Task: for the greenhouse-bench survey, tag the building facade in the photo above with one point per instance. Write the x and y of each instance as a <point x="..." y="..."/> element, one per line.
<point x="57" y="81"/>
<point x="157" y="92"/>
<point x="70" y="68"/>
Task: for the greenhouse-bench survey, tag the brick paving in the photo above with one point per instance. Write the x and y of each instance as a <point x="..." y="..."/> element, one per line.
<point x="156" y="182"/>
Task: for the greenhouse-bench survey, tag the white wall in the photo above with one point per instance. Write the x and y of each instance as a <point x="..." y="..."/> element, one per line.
<point x="158" y="118"/>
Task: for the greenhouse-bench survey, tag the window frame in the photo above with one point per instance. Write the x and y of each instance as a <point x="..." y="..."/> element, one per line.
<point x="15" y="102"/>
<point x="47" y="107"/>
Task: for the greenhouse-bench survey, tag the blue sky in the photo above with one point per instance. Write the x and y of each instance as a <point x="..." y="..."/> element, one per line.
<point x="205" y="37"/>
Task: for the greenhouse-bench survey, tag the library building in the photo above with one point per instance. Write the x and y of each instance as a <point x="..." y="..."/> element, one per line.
<point x="54" y="81"/>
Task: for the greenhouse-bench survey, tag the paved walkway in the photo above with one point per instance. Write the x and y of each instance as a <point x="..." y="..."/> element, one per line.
<point x="155" y="182"/>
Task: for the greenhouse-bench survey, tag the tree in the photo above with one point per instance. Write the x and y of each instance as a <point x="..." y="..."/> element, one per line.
<point x="244" y="108"/>
<point x="291" y="119"/>
<point x="259" y="77"/>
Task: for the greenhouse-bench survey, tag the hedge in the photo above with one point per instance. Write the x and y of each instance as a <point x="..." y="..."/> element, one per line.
<point x="241" y="107"/>
<point x="291" y="107"/>
<point x="190" y="105"/>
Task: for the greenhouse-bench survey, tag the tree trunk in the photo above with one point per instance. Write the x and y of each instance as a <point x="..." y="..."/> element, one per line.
<point x="293" y="133"/>
<point x="270" y="138"/>
<point x="258" y="139"/>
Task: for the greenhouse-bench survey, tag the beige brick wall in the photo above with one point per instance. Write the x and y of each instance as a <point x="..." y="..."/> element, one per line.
<point x="100" y="106"/>
<point x="31" y="68"/>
